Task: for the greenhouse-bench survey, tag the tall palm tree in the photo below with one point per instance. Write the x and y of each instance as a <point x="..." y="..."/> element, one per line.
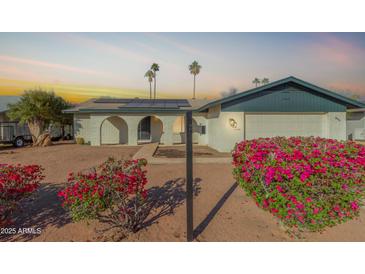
<point x="256" y="81"/>
<point x="155" y="67"/>
<point x="265" y="81"/>
<point x="150" y="75"/>
<point x="194" y="69"/>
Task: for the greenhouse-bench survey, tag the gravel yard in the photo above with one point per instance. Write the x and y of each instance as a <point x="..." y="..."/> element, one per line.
<point x="222" y="212"/>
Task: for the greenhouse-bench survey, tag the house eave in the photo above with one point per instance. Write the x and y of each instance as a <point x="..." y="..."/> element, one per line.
<point x="347" y="101"/>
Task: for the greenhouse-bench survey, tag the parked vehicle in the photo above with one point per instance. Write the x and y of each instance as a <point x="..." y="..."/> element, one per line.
<point x="19" y="135"/>
<point x="14" y="133"/>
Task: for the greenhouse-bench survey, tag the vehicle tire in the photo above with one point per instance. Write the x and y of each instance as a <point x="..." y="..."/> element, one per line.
<point x="19" y="142"/>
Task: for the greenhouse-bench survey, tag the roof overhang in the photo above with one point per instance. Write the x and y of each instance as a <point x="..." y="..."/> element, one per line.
<point x="350" y="103"/>
<point x="356" y="110"/>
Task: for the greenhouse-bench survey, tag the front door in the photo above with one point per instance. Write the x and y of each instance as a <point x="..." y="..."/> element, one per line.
<point x="144" y="130"/>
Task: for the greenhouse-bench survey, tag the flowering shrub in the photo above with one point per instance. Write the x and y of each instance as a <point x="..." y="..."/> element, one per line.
<point x="115" y="189"/>
<point x="16" y="183"/>
<point x="309" y="183"/>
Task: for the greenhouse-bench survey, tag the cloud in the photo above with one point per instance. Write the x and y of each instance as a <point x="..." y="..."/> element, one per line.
<point x="333" y="49"/>
<point x="13" y="71"/>
<point x="33" y="62"/>
<point x="107" y="47"/>
<point x="356" y="88"/>
<point x="122" y="52"/>
<point x="180" y="46"/>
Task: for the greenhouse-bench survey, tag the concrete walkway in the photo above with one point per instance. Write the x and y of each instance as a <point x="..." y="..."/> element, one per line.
<point x="148" y="150"/>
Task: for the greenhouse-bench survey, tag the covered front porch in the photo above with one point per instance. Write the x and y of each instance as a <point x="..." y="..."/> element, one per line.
<point x="142" y="129"/>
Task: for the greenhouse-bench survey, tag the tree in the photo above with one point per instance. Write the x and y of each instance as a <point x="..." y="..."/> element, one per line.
<point x="194" y="69"/>
<point x="256" y="81"/>
<point x="39" y="109"/>
<point x="155" y="67"/>
<point x="230" y="92"/>
<point x="265" y="81"/>
<point x="150" y="75"/>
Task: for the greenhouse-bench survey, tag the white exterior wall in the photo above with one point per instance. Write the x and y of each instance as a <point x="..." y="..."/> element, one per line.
<point x="89" y="127"/>
<point x="336" y="125"/>
<point x="221" y="136"/>
<point x="81" y="126"/>
<point x="198" y="137"/>
<point x="355" y="126"/>
<point x="219" y="133"/>
<point x="167" y="137"/>
<point x="114" y="130"/>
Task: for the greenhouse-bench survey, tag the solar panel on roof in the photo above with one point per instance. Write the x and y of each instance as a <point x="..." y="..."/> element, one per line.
<point x="112" y="100"/>
<point x="154" y="103"/>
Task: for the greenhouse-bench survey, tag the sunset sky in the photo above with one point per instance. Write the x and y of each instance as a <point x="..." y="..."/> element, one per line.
<point x="78" y="66"/>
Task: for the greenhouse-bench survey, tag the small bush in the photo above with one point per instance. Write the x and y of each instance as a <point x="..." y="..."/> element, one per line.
<point x="309" y="183"/>
<point x="16" y="183"/>
<point x="80" y="141"/>
<point x="115" y="189"/>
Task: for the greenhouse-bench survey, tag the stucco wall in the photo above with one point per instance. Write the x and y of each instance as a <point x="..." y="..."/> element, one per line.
<point x="114" y="130"/>
<point x="221" y="136"/>
<point x="355" y="126"/>
<point x="81" y="126"/>
<point x="157" y="129"/>
<point x="162" y="127"/>
<point x="336" y="123"/>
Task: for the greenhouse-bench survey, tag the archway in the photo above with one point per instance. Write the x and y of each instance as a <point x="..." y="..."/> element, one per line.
<point x="113" y="130"/>
<point x="150" y="129"/>
<point x="178" y="130"/>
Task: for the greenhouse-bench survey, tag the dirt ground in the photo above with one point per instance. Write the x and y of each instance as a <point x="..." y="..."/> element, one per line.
<point x="222" y="212"/>
<point x="178" y="151"/>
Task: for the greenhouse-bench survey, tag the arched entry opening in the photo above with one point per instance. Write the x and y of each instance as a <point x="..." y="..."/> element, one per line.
<point x="178" y="130"/>
<point x="113" y="130"/>
<point x="150" y="129"/>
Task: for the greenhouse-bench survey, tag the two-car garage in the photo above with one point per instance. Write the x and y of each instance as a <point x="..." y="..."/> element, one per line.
<point x="271" y="125"/>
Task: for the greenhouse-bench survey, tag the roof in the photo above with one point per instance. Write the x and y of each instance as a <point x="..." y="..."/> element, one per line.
<point x="357" y="110"/>
<point x="5" y="100"/>
<point x="136" y="105"/>
<point x="181" y="105"/>
<point x="290" y="79"/>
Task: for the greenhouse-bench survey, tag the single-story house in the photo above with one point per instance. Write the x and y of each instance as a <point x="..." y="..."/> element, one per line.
<point x="288" y="107"/>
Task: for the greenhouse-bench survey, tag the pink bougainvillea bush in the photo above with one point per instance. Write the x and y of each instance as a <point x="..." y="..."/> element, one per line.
<point x="115" y="189"/>
<point x="309" y="183"/>
<point x="16" y="183"/>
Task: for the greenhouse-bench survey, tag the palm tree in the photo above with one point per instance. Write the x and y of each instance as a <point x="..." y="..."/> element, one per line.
<point x="155" y="67"/>
<point x="194" y="69"/>
<point x="256" y="81"/>
<point x="265" y="81"/>
<point x="150" y="75"/>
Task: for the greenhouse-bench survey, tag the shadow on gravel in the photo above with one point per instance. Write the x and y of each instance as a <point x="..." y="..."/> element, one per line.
<point x="200" y="228"/>
<point x="38" y="211"/>
<point x="161" y="201"/>
<point x="164" y="200"/>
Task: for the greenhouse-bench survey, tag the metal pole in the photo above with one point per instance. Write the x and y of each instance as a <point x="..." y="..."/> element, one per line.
<point x="189" y="175"/>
